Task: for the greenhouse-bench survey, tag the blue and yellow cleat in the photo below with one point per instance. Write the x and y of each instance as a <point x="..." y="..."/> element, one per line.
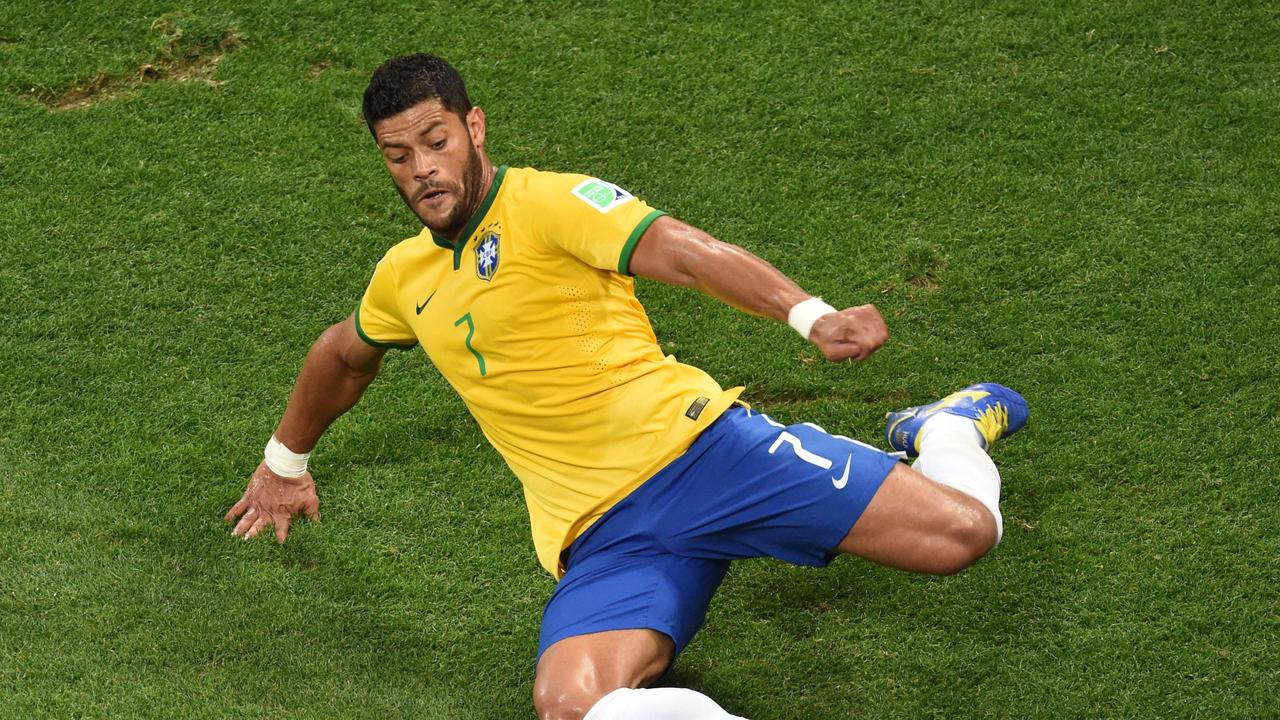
<point x="996" y="410"/>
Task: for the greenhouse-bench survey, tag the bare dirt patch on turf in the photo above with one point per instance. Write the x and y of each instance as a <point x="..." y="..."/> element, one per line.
<point x="923" y="264"/>
<point x="180" y="60"/>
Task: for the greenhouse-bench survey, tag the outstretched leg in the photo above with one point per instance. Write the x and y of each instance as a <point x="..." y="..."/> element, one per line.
<point x="616" y="621"/>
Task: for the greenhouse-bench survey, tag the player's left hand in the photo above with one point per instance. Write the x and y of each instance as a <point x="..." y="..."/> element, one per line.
<point x="272" y="500"/>
<point x="850" y="334"/>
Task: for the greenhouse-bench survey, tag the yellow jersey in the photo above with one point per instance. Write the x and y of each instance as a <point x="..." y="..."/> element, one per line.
<point x="533" y="319"/>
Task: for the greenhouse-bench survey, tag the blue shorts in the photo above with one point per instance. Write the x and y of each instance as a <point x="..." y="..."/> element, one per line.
<point x="747" y="487"/>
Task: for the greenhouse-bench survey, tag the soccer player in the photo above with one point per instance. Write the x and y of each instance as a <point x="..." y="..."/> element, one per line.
<point x="644" y="478"/>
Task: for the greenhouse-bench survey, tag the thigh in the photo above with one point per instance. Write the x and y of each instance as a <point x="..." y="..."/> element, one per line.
<point x="623" y="587"/>
<point x="764" y="489"/>
<point x="916" y="524"/>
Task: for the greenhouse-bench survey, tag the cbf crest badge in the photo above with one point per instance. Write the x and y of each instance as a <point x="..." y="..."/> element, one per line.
<point x="487" y="256"/>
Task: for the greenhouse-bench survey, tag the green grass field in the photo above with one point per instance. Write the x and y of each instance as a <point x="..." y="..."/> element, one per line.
<point x="1080" y="200"/>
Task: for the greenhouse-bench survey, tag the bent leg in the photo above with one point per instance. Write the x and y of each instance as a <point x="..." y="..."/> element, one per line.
<point x="916" y="524"/>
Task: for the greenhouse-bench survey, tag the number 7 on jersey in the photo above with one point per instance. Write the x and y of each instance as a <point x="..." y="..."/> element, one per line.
<point x="471" y="331"/>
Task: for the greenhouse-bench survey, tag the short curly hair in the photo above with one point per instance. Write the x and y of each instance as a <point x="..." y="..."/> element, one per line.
<point x="402" y="82"/>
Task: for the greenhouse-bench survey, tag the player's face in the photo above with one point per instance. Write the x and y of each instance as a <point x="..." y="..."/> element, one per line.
<point x="437" y="162"/>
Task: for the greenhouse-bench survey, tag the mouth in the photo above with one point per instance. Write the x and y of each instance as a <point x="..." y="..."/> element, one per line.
<point x="431" y="196"/>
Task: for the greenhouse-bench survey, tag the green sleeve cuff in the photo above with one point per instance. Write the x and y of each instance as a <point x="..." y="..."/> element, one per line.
<point x="624" y="260"/>
<point x="377" y="343"/>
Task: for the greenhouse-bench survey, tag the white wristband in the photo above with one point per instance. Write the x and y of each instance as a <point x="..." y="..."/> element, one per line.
<point x="283" y="461"/>
<point x="804" y="314"/>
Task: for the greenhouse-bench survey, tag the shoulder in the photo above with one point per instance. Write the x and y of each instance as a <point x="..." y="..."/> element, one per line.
<point x="532" y="185"/>
<point x="407" y="248"/>
<point x="564" y="192"/>
<point x="408" y="253"/>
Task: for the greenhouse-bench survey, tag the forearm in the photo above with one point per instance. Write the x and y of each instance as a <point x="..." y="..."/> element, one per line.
<point x="673" y="252"/>
<point x="731" y="274"/>
<point x="327" y="387"/>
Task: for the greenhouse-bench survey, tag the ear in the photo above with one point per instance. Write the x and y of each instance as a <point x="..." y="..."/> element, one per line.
<point x="475" y="126"/>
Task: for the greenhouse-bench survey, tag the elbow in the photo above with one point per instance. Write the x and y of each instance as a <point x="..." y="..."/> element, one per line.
<point x="340" y="346"/>
<point x="330" y="343"/>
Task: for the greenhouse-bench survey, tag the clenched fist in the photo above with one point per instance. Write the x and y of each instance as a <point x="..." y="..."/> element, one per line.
<point x="851" y="334"/>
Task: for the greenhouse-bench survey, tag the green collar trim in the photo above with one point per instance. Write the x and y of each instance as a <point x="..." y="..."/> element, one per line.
<point x="471" y="225"/>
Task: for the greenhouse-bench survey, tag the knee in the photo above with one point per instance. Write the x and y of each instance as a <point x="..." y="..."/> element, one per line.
<point x="971" y="533"/>
<point x="574" y="673"/>
<point x="557" y="702"/>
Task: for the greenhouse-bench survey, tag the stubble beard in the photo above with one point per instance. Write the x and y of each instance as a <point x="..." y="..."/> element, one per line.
<point x="472" y="179"/>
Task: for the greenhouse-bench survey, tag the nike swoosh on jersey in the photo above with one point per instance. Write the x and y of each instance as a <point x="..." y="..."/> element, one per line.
<point x="843" y="480"/>
<point x="423" y="306"/>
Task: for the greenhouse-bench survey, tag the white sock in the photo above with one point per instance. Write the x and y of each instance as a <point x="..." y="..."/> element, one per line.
<point x="952" y="452"/>
<point x="668" y="703"/>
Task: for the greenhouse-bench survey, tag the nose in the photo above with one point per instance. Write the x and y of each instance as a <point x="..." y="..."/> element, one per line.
<point x="424" y="166"/>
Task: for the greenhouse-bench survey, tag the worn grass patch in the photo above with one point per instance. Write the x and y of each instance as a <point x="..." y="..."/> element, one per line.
<point x="181" y="59"/>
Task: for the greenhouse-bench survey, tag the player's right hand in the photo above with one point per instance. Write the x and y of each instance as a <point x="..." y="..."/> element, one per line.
<point x="851" y="334"/>
<point x="273" y="500"/>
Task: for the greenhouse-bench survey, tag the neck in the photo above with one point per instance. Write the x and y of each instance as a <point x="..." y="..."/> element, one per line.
<point x="487" y="174"/>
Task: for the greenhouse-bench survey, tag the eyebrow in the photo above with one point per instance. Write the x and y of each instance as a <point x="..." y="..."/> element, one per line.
<point x="435" y="124"/>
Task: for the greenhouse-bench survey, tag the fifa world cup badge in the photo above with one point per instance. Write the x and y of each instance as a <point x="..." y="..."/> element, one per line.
<point x="487" y="256"/>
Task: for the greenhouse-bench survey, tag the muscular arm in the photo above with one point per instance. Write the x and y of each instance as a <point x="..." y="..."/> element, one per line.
<point x="334" y="377"/>
<point x="678" y="254"/>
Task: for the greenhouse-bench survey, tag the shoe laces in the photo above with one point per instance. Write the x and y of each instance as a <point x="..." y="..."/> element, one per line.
<point x="993" y="422"/>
